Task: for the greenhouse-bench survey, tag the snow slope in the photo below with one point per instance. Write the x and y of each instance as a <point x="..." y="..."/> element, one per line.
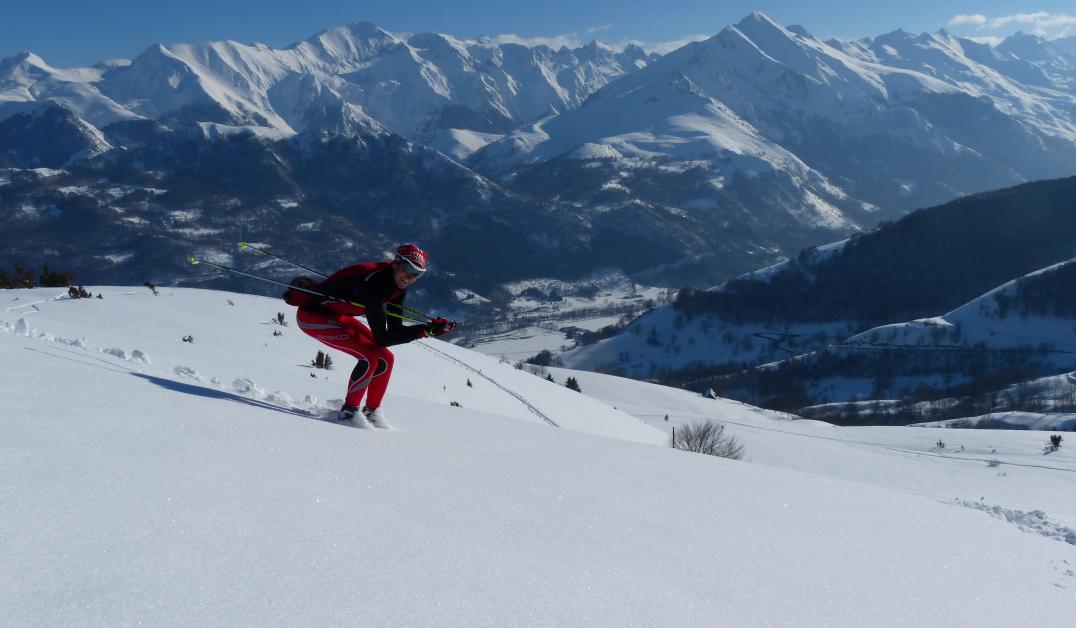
<point x="901" y="458"/>
<point x="139" y="492"/>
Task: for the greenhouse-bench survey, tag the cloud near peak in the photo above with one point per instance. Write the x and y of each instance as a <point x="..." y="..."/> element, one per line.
<point x="1041" y="23"/>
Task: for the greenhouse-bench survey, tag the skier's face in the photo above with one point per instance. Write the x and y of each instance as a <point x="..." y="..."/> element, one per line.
<point x="402" y="277"/>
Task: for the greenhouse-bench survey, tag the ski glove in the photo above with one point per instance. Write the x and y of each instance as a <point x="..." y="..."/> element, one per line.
<point x="439" y="327"/>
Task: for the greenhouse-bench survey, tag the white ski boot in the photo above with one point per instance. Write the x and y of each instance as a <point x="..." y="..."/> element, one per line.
<point x="352" y="415"/>
<point x="376" y="418"/>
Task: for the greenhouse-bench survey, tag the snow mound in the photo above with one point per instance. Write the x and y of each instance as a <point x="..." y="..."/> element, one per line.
<point x="248" y="387"/>
<point x="1034" y="521"/>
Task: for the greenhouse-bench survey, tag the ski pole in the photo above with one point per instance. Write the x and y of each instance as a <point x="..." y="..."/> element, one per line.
<point x="244" y="245"/>
<point x="195" y="260"/>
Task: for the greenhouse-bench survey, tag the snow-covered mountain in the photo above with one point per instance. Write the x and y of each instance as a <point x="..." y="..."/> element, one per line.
<point x="988" y="355"/>
<point x="894" y="122"/>
<point x="692" y="168"/>
<point x="932" y="261"/>
<point x="831" y="325"/>
<point x="52" y="137"/>
<point x="431" y="87"/>
<point x="152" y="480"/>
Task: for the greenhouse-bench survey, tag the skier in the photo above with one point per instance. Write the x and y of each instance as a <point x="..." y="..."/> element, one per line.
<point x="380" y="288"/>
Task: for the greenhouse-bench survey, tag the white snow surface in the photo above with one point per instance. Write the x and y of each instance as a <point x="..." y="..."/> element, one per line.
<point x="153" y="491"/>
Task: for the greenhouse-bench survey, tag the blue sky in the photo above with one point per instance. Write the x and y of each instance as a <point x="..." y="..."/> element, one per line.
<point x="68" y="33"/>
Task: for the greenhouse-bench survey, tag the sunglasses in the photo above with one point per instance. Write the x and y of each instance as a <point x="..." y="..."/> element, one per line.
<point x="410" y="269"/>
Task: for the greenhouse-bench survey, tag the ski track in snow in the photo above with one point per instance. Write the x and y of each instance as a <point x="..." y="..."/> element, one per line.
<point x="242" y="385"/>
<point x="22" y="328"/>
<point x="1034" y="521"/>
<point x="33" y="305"/>
<point x="530" y="406"/>
<point x="249" y="389"/>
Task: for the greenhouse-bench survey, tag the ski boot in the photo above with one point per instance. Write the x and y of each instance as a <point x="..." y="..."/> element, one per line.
<point x="376" y="417"/>
<point x="352" y="414"/>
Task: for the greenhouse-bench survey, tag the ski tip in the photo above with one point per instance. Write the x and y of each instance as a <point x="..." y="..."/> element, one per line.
<point x="242" y="245"/>
<point x="193" y="260"/>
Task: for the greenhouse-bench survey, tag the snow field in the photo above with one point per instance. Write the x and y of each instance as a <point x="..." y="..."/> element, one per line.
<point x="901" y="458"/>
<point x="134" y="495"/>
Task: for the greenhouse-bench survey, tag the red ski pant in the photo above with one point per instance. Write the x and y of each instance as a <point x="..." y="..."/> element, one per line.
<point x="350" y="335"/>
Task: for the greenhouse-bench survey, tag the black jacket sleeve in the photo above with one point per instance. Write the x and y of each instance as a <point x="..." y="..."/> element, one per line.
<point x="390" y="330"/>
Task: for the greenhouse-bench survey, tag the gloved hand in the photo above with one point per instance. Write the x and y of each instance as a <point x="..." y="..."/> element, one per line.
<point x="439" y="327"/>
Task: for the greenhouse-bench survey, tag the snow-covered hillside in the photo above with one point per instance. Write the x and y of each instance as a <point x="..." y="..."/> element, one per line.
<point x="151" y="480"/>
<point x="981" y="321"/>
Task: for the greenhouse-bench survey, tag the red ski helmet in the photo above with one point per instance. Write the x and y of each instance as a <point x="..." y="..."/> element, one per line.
<point x="414" y="258"/>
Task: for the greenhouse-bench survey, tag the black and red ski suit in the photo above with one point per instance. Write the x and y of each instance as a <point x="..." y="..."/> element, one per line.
<point x="333" y="323"/>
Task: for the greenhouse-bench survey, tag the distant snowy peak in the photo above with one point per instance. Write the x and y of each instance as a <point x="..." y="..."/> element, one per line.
<point x="1049" y="57"/>
<point x="28" y="83"/>
<point x="345" y="47"/>
<point x="354" y="78"/>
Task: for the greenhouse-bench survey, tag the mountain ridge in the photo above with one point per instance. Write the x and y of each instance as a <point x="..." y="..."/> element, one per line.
<point x="691" y="168"/>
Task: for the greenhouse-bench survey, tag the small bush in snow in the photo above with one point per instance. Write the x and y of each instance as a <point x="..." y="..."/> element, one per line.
<point x="151" y="287"/>
<point x="706" y="437"/>
<point x="940" y="444"/>
<point x="548" y="377"/>
<point x="455" y="404"/>
<point x="994" y="463"/>
<point x="322" y="361"/>
<point x="469" y="384"/>
<point x="188" y="338"/>
<point x="573" y="384"/>
<point x="279" y="319"/>
<point x="1055" y="441"/>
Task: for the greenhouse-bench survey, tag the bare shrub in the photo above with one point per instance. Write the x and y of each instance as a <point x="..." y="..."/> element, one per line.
<point x="706" y="437"/>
